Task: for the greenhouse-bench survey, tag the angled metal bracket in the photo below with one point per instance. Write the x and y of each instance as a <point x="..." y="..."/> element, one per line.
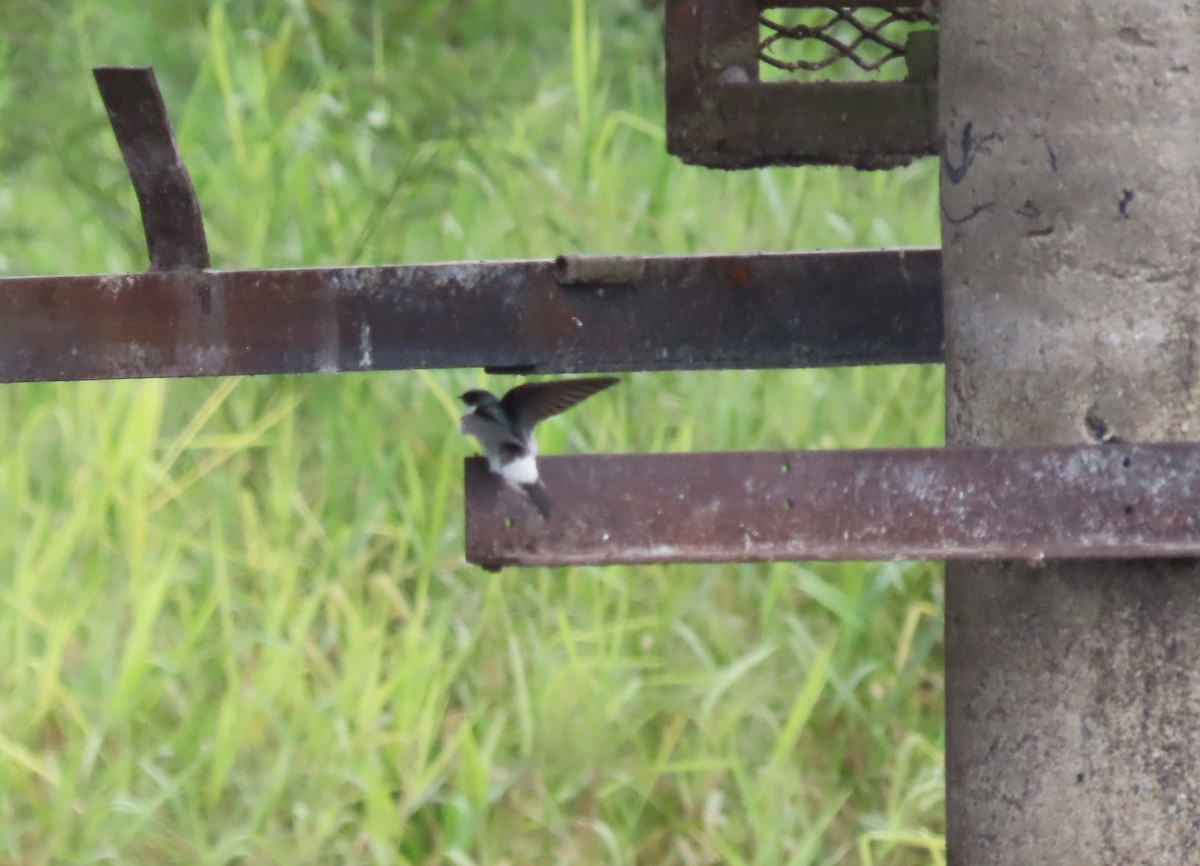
<point x="170" y="212"/>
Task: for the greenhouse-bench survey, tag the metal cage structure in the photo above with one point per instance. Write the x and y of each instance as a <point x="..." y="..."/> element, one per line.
<point x="752" y="83"/>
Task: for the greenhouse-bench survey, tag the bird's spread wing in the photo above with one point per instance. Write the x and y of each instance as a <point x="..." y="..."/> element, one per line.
<point x="537" y="401"/>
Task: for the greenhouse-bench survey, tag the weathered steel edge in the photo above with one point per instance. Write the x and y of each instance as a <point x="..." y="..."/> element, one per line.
<point x="656" y="313"/>
<point x="1113" y="501"/>
<point x="755" y="124"/>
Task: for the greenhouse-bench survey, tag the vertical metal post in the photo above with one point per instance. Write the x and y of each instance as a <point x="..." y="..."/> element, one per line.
<point x="1071" y="232"/>
<point x="707" y="44"/>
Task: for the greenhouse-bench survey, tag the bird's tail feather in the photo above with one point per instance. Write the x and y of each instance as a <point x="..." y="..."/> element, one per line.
<point x="541" y="499"/>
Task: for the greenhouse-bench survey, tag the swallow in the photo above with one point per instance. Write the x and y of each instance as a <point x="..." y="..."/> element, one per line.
<point x="504" y="427"/>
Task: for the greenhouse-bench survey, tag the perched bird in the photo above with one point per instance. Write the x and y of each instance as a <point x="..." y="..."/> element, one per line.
<point x="504" y="427"/>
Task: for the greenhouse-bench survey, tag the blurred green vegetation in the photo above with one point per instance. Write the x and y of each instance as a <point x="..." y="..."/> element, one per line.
<point x="237" y="626"/>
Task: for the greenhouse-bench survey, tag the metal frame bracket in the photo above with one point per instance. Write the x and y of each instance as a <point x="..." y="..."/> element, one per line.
<point x="722" y="114"/>
<point x="170" y="211"/>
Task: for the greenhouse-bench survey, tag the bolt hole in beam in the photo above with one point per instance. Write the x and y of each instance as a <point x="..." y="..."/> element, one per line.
<point x="1090" y="501"/>
<point x="170" y="212"/>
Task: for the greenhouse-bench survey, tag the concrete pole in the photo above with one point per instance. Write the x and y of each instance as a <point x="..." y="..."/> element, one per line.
<point x="1071" y="221"/>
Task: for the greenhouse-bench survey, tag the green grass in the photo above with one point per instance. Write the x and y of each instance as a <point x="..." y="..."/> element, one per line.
<point x="235" y="619"/>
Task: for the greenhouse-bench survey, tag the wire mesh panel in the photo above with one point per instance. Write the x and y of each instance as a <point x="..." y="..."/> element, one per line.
<point x="752" y="84"/>
<point x="839" y="40"/>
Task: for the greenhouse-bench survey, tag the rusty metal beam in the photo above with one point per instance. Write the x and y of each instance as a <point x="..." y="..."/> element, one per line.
<point x="1029" y="503"/>
<point x="170" y="212"/>
<point x="869" y="125"/>
<point x="655" y="313"/>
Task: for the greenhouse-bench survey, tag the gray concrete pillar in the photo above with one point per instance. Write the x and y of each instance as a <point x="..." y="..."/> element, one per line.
<point x="1071" y="221"/>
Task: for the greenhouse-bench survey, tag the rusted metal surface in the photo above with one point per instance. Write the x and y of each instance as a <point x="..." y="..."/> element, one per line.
<point x="687" y="312"/>
<point x="865" y="124"/>
<point x="1030" y="503"/>
<point x="721" y="115"/>
<point x="706" y="43"/>
<point x="170" y="213"/>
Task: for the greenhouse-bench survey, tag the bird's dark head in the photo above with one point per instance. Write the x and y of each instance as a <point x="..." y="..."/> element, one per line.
<point x="478" y="397"/>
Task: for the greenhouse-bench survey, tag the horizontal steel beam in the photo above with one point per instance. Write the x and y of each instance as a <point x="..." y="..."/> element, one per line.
<point x="1092" y="501"/>
<point x="543" y="316"/>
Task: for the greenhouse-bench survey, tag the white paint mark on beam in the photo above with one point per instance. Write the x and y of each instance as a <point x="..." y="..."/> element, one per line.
<point x="366" y="358"/>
